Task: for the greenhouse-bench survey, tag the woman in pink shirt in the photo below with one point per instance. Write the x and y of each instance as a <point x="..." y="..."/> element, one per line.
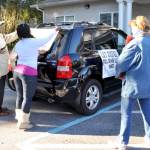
<point x="25" y="73"/>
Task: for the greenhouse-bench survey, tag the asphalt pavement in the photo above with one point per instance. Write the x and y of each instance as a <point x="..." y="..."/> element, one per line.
<point x="60" y="127"/>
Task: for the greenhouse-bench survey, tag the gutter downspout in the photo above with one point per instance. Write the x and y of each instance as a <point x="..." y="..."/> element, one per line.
<point x="41" y="10"/>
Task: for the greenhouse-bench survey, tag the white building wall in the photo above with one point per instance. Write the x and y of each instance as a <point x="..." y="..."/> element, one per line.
<point x="80" y="12"/>
<point x="92" y="14"/>
<point x="139" y="9"/>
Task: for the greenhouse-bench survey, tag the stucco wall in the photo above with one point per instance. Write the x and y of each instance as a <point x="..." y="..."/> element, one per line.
<point x="93" y="13"/>
<point x="139" y="9"/>
<point x="80" y="12"/>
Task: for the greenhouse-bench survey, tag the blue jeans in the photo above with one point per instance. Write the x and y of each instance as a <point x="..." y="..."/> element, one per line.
<point x="126" y="110"/>
<point x="25" y="88"/>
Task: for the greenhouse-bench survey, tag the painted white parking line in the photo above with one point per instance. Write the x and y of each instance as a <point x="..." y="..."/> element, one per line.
<point x="118" y="112"/>
<point x="82" y="119"/>
<point x="28" y="144"/>
<point x="77" y="146"/>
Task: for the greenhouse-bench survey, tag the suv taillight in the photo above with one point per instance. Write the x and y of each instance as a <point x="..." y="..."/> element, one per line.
<point x="64" y="67"/>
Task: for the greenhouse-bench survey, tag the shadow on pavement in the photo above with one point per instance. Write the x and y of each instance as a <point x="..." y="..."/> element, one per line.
<point x="138" y="148"/>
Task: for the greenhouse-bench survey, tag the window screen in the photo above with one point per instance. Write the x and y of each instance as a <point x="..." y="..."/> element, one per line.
<point x="109" y="18"/>
<point x="60" y="19"/>
<point x="105" y="18"/>
<point x="115" y="19"/>
<point x="69" y="18"/>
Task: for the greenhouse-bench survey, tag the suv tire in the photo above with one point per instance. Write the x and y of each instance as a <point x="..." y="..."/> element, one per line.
<point x="90" y="102"/>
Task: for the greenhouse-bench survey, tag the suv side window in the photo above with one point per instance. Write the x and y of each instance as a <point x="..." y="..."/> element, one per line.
<point x="117" y="37"/>
<point x="86" y="44"/>
<point x="103" y="39"/>
<point x="59" y="44"/>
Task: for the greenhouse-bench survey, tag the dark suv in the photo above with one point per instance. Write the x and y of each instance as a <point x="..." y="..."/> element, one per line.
<point x="71" y="71"/>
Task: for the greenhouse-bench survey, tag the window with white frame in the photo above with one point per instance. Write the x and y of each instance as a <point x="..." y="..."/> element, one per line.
<point x="109" y="18"/>
<point x="60" y="19"/>
<point x="64" y="19"/>
<point x="69" y="18"/>
<point x="115" y="19"/>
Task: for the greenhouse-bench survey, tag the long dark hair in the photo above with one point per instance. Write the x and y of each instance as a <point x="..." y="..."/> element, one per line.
<point x="23" y="31"/>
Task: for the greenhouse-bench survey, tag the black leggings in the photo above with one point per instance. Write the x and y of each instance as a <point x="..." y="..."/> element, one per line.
<point x="25" y="88"/>
<point x="2" y="87"/>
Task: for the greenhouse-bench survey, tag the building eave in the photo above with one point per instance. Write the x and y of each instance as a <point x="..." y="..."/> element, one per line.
<point x="60" y="3"/>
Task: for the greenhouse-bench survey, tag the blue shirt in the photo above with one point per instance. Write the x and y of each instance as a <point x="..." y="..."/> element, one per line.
<point x="135" y="62"/>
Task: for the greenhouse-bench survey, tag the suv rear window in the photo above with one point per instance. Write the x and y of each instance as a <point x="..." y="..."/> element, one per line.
<point x="87" y="40"/>
<point x="59" y="43"/>
<point x="86" y="44"/>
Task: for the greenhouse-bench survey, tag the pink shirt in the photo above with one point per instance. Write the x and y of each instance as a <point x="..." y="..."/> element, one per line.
<point x="26" y="70"/>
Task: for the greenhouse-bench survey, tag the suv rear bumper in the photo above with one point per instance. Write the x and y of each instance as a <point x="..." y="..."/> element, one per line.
<point x="60" y="90"/>
<point x="67" y="90"/>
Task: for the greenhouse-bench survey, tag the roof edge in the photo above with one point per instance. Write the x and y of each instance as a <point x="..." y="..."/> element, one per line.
<point x="60" y="3"/>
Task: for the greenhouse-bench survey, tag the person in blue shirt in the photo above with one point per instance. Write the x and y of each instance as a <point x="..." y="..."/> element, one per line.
<point x="134" y="61"/>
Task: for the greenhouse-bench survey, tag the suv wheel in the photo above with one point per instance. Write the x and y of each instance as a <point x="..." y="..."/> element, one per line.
<point x="91" y="97"/>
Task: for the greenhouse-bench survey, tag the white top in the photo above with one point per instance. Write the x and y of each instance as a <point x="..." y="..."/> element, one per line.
<point x="27" y="49"/>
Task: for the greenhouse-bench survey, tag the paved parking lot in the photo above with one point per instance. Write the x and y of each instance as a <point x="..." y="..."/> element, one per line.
<point x="60" y="127"/>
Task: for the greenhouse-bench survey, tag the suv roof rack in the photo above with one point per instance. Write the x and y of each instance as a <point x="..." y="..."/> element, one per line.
<point x="46" y="25"/>
<point x="82" y="23"/>
<point x="76" y="23"/>
<point x="71" y="25"/>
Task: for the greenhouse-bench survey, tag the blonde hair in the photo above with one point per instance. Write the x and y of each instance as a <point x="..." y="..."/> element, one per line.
<point x="141" y="22"/>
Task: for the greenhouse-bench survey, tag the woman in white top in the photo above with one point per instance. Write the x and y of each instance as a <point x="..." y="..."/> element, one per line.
<point x="25" y="73"/>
